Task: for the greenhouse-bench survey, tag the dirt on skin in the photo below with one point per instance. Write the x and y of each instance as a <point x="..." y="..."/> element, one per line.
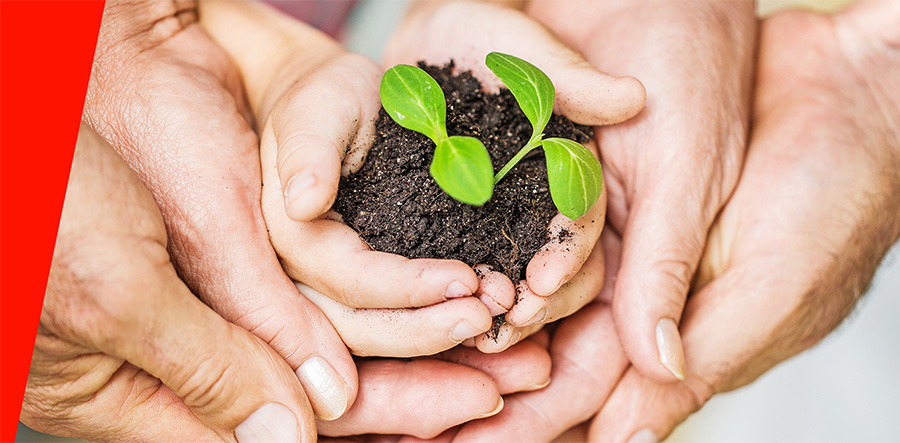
<point x="396" y="206"/>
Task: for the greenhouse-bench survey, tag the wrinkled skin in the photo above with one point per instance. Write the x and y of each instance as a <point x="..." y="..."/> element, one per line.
<point x="813" y="214"/>
<point x="670" y="170"/>
<point x="124" y="350"/>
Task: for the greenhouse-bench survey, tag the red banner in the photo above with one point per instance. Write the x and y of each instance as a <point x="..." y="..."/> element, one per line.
<point x="46" y="49"/>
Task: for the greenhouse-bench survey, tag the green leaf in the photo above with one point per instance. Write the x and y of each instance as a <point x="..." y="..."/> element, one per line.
<point x="415" y="101"/>
<point x="575" y="177"/>
<point x="529" y="85"/>
<point x="462" y="168"/>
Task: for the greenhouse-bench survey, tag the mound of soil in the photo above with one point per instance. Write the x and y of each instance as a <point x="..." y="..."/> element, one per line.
<point x="396" y="206"/>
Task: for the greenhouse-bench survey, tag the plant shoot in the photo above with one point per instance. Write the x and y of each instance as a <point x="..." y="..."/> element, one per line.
<point x="462" y="165"/>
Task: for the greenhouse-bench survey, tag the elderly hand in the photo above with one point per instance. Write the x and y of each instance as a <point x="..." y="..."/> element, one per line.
<point x="670" y="170"/>
<point x="466" y="32"/>
<point x="815" y="211"/>
<point x="125" y="351"/>
<point x="169" y="100"/>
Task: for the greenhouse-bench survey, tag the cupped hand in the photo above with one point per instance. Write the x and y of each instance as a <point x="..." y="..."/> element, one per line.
<point x="316" y="105"/>
<point x="170" y="101"/>
<point x="669" y="170"/>
<point x="815" y="211"/>
<point x="466" y="32"/>
<point x="426" y="396"/>
<point x="125" y="351"/>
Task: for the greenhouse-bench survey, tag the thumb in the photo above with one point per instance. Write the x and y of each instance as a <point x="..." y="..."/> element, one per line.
<point x="317" y="123"/>
<point x="661" y="247"/>
<point x="234" y="383"/>
<point x="583" y="93"/>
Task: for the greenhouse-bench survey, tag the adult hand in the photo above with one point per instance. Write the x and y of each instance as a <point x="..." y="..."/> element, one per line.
<point x="169" y="100"/>
<point x="456" y="386"/>
<point x="670" y="170"/>
<point x="815" y="211"/>
<point x="466" y="32"/>
<point x="125" y="351"/>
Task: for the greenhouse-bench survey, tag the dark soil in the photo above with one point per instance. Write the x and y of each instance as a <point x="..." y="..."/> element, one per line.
<point x="397" y="207"/>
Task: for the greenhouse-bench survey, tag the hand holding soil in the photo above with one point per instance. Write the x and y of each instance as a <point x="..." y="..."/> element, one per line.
<point x="671" y="169"/>
<point x="465" y="33"/>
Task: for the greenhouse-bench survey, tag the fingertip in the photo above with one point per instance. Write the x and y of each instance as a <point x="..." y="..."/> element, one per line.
<point x="631" y="96"/>
<point x="495" y="290"/>
<point x="592" y="97"/>
<point x="670" y="348"/>
<point x="654" y="346"/>
<point x="299" y="202"/>
<point x="547" y="272"/>
<point x="325" y="388"/>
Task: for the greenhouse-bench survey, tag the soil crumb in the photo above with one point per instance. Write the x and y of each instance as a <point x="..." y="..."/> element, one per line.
<point x="395" y="205"/>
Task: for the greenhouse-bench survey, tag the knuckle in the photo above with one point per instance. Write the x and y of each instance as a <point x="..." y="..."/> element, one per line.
<point x="97" y="280"/>
<point x="203" y="382"/>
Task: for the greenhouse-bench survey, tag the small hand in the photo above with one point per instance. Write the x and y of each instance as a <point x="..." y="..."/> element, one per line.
<point x="316" y="105"/>
<point x="466" y="32"/>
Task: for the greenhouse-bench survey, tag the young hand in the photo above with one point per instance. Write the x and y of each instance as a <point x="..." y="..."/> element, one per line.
<point x="466" y="32"/>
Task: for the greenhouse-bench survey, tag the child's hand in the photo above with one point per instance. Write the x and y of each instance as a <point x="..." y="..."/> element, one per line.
<point x="316" y="105"/>
<point x="560" y="278"/>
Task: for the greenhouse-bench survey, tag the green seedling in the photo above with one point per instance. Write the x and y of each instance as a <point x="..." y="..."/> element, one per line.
<point x="575" y="177"/>
<point x="462" y="165"/>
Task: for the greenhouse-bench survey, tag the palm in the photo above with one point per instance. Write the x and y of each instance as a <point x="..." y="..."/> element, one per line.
<point x="793" y="249"/>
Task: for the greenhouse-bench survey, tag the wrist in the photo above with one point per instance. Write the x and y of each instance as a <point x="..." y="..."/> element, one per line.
<point x="270" y="49"/>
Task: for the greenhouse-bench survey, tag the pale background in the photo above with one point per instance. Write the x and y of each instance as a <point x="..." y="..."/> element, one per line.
<point x="846" y="389"/>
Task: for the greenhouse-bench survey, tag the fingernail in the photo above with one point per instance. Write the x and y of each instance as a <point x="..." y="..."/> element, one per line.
<point x="668" y="343"/>
<point x="643" y="436"/>
<point x="297" y="187"/>
<point x="538" y="317"/>
<point x="494" y="412"/>
<point x="324" y="387"/>
<point x="271" y="422"/>
<point x="494" y="307"/>
<point x="456" y="290"/>
<point x="462" y="331"/>
<point x="562" y="281"/>
<point x="537" y="386"/>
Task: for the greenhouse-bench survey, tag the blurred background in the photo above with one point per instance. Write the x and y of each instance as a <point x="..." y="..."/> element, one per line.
<point x="845" y="389"/>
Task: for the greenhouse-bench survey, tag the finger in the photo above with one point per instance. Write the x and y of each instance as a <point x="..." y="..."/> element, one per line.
<point x="583" y="93"/>
<point x="495" y="290"/>
<point x="533" y="309"/>
<point x="321" y="252"/>
<point x="424" y="397"/>
<point x="719" y="345"/>
<point x="404" y="332"/>
<point x="570" y="245"/>
<point x="502" y="335"/>
<point x="661" y="247"/>
<point x="329" y="113"/>
<point x="233" y="382"/>
<point x="523" y="367"/>
<point x="587" y="362"/>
